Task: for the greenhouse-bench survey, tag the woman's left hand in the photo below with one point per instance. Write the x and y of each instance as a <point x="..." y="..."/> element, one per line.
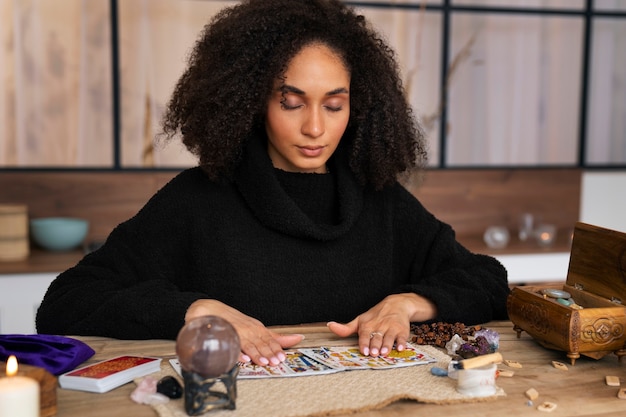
<point x="387" y="323"/>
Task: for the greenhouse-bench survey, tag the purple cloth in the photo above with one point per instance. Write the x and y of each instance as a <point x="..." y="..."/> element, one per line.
<point x="56" y="354"/>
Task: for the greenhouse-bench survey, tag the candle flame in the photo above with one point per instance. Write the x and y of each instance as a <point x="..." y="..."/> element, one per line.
<point x="11" y="365"/>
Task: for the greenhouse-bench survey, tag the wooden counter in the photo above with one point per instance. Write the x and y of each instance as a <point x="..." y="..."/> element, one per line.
<point x="579" y="391"/>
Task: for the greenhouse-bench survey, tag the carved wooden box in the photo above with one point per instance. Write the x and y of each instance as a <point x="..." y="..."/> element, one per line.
<point x="596" y="281"/>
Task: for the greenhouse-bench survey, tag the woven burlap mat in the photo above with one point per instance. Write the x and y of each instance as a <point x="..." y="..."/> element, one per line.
<point x="332" y="394"/>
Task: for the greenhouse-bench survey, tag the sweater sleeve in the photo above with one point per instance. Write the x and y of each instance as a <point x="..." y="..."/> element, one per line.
<point x="466" y="287"/>
<point x="126" y="289"/>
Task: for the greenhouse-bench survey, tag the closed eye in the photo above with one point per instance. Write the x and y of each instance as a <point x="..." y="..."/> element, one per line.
<point x="285" y="106"/>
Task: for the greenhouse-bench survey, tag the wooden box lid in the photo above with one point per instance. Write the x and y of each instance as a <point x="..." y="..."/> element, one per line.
<point x="598" y="262"/>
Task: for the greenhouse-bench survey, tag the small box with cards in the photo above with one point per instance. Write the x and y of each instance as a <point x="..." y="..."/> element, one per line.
<point x="587" y="315"/>
<point x="105" y="375"/>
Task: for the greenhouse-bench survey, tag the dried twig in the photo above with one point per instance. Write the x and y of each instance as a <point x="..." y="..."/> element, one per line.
<point x="428" y="121"/>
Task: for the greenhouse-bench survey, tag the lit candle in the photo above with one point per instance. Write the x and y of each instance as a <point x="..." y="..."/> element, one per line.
<point x="19" y="395"/>
<point x="545" y="233"/>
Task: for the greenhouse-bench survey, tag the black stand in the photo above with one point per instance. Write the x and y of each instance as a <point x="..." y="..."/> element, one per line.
<point x="199" y="398"/>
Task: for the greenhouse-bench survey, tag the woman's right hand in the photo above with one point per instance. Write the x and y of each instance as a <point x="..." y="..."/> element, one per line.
<point x="258" y="343"/>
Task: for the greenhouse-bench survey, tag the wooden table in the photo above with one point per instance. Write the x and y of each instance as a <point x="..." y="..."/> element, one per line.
<point x="579" y="391"/>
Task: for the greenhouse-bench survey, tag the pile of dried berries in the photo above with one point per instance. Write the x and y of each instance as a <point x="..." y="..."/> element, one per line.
<point x="439" y="333"/>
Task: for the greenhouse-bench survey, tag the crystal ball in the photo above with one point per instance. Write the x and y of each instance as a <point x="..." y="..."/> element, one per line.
<point x="208" y="346"/>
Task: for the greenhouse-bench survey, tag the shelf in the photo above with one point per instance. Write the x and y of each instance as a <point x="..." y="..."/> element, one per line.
<point x="562" y="243"/>
<point x="45" y="261"/>
<point x="42" y="261"/>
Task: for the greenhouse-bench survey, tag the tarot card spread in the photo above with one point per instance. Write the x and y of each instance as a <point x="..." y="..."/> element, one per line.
<point x="325" y="360"/>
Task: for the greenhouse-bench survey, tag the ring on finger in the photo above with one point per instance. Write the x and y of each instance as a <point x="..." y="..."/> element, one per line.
<point x="374" y="334"/>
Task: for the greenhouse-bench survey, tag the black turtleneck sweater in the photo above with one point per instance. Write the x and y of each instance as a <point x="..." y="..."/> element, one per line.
<point x="284" y="248"/>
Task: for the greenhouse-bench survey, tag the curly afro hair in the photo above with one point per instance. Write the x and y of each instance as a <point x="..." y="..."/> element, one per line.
<point x="220" y="101"/>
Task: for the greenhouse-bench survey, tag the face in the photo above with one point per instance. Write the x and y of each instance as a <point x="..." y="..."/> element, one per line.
<point x="308" y="111"/>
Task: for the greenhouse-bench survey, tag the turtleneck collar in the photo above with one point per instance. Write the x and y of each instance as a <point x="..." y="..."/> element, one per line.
<point x="256" y="180"/>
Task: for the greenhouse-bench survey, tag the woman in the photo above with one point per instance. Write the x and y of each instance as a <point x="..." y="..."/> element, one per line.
<point x="296" y="112"/>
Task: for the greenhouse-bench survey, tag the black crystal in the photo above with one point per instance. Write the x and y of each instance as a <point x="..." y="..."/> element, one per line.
<point x="170" y="387"/>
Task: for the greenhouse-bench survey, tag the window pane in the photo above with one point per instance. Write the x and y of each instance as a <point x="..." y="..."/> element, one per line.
<point x="155" y="38"/>
<point x="416" y="37"/>
<point x="56" y="97"/>
<point x="515" y="99"/>
<point x="540" y="4"/>
<point x="416" y="3"/>
<point x="606" y="128"/>
<point x="609" y="5"/>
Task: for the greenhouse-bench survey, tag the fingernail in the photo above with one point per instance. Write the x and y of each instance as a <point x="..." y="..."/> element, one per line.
<point x="374" y="352"/>
<point x="384" y="351"/>
<point x="245" y="358"/>
<point x="274" y="361"/>
<point x="281" y="357"/>
<point x="400" y="348"/>
<point x="366" y="351"/>
<point x="264" y="361"/>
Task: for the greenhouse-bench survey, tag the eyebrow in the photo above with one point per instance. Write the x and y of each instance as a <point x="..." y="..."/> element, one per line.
<point x="286" y="88"/>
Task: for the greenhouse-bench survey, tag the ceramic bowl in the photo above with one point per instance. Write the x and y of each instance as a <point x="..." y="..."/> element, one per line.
<point x="58" y="233"/>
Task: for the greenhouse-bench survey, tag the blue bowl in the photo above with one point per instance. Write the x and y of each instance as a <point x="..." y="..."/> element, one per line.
<point x="58" y="233"/>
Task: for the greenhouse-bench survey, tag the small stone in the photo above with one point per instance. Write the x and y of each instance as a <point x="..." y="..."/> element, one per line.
<point x="621" y="394"/>
<point x="438" y="371"/>
<point x="565" y="301"/>
<point x="560" y="366"/>
<point x="145" y="392"/>
<point x="553" y="293"/>
<point x="170" y="387"/>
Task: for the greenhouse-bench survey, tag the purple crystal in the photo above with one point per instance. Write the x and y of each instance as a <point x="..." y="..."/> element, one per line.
<point x="479" y="346"/>
<point x="492" y="337"/>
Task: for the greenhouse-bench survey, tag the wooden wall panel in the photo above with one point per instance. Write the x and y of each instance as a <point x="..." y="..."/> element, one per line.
<point x="472" y="200"/>
<point x="104" y="198"/>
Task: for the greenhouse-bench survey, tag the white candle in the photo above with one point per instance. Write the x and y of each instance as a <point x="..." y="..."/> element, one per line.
<point x="19" y="395"/>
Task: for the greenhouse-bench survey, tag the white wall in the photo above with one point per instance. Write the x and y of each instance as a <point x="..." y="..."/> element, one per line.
<point x="603" y="199"/>
<point x="20" y="296"/>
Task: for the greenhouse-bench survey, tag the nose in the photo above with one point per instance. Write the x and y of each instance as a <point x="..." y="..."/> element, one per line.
<point x="313" y="125"/>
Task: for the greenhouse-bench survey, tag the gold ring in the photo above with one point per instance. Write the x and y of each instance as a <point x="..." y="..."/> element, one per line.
<point x="374" y="334"/>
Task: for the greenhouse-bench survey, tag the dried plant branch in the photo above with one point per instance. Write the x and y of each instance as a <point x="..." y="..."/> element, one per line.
<point x="148" y="141"/>
<point x="428" y="121"/>
<point x="465" y="52"/>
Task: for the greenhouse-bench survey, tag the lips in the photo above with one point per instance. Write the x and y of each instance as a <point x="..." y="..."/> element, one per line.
<point x="311" y="151"/>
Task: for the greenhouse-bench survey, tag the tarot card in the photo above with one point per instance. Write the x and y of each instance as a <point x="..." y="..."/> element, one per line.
<point x="296" y="364"/>
<point x="349" y="357"/>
